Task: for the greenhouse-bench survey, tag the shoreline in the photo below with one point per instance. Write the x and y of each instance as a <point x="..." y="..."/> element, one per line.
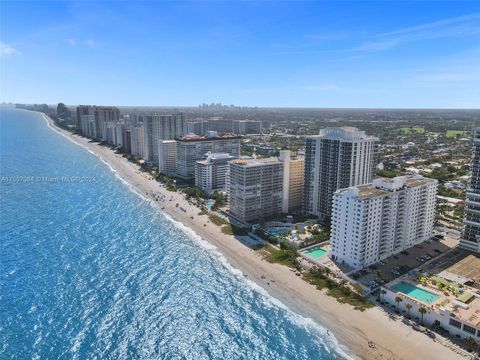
<point x="352" y="328"/>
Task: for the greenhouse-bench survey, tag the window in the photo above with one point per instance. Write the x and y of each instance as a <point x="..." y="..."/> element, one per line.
<point x="469" y="329"/>
<point x="455" y="323"/>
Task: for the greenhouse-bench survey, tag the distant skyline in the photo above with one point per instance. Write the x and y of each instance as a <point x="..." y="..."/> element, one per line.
<point x="417" y="54"/>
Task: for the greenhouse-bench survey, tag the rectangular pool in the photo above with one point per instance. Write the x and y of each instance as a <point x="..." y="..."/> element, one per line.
<point x="277" y="231"/>
<point x="316" y="253"/>
<point x="415" y="292"/>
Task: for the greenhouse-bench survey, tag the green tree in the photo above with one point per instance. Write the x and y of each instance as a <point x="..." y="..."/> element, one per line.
<point x="398" y="300"/>
<point x="422" y="312"/>
<point x="383" y="292"/>
<point x="408" y="306"/>
<point x="471" y="343"/>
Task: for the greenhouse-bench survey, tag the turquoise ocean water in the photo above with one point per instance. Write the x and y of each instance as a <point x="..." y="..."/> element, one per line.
<point x="90" y="270"/>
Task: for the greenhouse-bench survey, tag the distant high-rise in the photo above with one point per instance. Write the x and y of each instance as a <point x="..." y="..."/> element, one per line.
<point x="220" y="125"/>
<point x="158" y="128"/>
<point x="62" y="111"/>
<point x="198" y="127"/>
<point x="104" y="115"/>
<point x="137" y="142"/>
<point x="255" y="188"/>
<point x="191" y="148"/>
<point x="471" y="233"/>
<point x="92" y="120"/>
<point x="86" y="120"/>
<point x="167" y="157"/>
<point x="246" y="127"/>
<point x="127" y="139"/>
<point x="337" y="158"/>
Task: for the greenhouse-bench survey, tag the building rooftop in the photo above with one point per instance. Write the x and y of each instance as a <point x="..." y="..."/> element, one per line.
<point x="348" y="133"/>
<point x="385" y="186"/>
<point x="216" y="156"/>
<point x="195" y="137"/>
<point x="256" y="162"/>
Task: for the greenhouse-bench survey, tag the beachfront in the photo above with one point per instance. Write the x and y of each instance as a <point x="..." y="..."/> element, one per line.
<point x="353" y="328"/>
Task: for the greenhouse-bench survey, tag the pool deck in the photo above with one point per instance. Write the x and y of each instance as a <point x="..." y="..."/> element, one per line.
<point x="410" y="281"/>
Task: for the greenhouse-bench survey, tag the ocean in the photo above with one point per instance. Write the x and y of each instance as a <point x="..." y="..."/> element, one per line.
<point x="90" y="270"/>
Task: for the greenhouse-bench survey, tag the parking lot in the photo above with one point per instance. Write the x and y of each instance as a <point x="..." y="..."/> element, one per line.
<point x="399" y="264"/>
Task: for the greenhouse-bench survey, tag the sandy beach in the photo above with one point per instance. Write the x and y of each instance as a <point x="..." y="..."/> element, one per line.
<point x="352" y="328"/>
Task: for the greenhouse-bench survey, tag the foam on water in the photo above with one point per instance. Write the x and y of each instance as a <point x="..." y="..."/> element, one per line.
<point x="130" y="287"/>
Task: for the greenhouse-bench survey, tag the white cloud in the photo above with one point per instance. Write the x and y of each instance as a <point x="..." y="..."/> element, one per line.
<point x="467" y="25"/>
<point x="8" y="50"/>
<point x="71" y="42"/>
<point x="90" y="43"/>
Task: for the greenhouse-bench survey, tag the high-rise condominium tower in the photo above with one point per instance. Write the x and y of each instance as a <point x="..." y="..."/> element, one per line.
<point x="471" y="233"/>
<point x="158" y="128"/>
<point x="337" y="158"/>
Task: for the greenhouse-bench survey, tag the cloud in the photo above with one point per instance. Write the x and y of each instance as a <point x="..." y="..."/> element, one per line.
<point x="467" y="25"/>
<point x="8" y="50"/>
<point x="90" y="43"/>
<point x="71" y="42"/>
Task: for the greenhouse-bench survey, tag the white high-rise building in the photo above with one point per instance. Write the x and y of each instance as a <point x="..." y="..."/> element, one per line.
<point x="255" y="188"/>
<point x="158" y="128"/>
<point x="212" y="173"/>
<point x="372" y="222"/>
<point x="92" y="120"/>
<point x="86" y="120"/>
<point x="167" y="157"/>
<point x="137" y="143"/>
<point x="470" y="239"/>
<point x="191" y="148"/>
<point x="293" y="181"/>
<point x="246" y="127"/>
<point x="103" y="116"/>
<point x="337" y="158"/>
<point x="198" y="127"/>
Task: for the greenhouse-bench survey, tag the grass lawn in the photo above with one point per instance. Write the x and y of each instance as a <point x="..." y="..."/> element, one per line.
<point x="408" y="130"/>
<point x="234" y="230"/>
<point x="453" y="133"/>
<point x="217" y="220"/>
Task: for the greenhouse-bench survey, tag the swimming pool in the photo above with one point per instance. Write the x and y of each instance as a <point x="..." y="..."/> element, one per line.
<point x="276" y="231"/>
<point x="316" y="253"/>
<point x="415" y="292"/>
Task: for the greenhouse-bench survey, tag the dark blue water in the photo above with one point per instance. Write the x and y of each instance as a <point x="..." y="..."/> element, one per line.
<point x="90" y="270"/>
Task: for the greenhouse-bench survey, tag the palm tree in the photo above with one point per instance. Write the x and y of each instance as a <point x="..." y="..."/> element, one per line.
<point x="408" y="306"/>
<point x="398" y="300"/>
<point x="471" y="342"/>
<point x="422" y="312"/>
<point x="383" y="292"/>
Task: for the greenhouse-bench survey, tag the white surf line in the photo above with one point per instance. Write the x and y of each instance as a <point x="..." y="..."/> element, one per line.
<point x="298" y="319"/>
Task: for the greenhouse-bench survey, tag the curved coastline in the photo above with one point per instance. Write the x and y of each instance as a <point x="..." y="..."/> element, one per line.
<point x="307" y="305"/>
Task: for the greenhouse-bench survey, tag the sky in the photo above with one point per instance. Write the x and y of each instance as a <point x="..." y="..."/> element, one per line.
<point x="357" y="54"/>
